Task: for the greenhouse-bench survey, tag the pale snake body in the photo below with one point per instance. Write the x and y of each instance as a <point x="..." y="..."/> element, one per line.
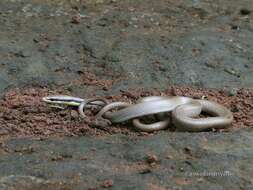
<point x="183" y="112"/>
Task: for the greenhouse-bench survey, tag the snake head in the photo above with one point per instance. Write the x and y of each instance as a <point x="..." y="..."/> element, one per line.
<point x="62" y="100"/>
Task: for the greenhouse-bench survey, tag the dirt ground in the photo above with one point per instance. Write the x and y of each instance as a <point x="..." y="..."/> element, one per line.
<point x="23" y="114"/>
<point x="123" y="50"/>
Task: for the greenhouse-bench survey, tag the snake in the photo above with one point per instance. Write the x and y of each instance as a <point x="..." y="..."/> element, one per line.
<point x="181" y="111"/>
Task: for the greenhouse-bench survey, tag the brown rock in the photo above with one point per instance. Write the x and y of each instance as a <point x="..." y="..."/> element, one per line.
<point x="107" y="183"/>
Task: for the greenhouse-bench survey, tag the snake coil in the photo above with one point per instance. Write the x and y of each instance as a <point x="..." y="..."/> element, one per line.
<point x="183" y="111"/>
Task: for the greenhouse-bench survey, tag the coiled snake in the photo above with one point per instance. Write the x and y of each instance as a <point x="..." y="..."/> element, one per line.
<point x="182" y="111"/>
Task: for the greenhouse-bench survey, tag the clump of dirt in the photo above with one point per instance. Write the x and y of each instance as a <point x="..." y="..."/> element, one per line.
<point x="23" y="114"/>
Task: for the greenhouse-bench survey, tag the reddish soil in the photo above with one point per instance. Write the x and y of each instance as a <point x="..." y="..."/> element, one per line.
<point x="23" y="114"/>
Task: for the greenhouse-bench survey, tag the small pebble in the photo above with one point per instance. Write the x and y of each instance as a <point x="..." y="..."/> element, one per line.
<point x="188" y="150"/>
<point x="107" y="183"/>
<point x="169" y="157"/>
<point x="57" y="158"/>
<point x="3" y="132"/>
<point x="74" y="114"/>
<point x="145" y="171"/>
<point x="152" y="159"/>
<point x="84" y="158"/>
<point x="76" y="19"/>
<point x="232" y="92"/>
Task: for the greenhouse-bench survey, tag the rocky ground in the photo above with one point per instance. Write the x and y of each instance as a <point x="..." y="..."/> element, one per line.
<point x="158" y="162"/>
<point x="123" y="50"/>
